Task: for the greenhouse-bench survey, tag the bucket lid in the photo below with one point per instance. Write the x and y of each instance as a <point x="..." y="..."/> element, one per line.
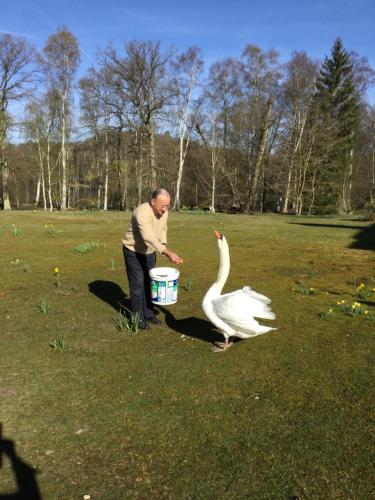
<point x="158" y="273"/>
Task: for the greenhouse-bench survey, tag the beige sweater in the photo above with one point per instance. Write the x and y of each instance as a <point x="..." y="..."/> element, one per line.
<point x="146" y="233"/>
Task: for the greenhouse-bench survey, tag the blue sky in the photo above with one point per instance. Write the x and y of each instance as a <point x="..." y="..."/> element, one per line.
<point x="219" y="28"/>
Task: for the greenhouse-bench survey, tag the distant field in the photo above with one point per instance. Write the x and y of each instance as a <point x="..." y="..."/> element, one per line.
<point x="92" y="410"/>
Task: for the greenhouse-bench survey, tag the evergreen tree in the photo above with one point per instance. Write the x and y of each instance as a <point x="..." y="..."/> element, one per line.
<point x="339" y="102"/>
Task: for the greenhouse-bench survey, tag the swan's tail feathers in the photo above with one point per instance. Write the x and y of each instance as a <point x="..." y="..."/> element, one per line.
<point x="248" y="328"/>
<point x="255" y="295"/>
<point x="266" y="313"/>
<point x="263" y="329"/>
<point x="244" y="334"/>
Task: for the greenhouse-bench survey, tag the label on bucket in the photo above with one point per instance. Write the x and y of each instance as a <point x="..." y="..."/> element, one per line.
<point x="164" y="288"/>
<point x="172" y="291"/>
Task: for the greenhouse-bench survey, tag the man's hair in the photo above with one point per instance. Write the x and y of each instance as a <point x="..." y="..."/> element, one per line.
<point x="159" y="191"/>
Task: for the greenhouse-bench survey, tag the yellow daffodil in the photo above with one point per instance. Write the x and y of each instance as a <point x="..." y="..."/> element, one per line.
<point x="56" y="270"/>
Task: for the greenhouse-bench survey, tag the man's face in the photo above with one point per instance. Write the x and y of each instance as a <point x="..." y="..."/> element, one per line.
<point x="160" y="204"/>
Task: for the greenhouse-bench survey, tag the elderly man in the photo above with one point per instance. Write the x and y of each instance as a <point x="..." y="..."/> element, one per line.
<point x="146" y="235"/>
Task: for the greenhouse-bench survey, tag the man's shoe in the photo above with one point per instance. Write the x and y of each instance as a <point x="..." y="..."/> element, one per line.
<point x="143" y="325"/>
<point x="154" y="321"/>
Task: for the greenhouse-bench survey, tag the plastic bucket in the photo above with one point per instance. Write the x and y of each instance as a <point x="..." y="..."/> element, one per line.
<point x="164" y="285"/>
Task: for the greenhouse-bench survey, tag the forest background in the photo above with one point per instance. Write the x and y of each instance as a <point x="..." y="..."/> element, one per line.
<point x="244" y="134"/>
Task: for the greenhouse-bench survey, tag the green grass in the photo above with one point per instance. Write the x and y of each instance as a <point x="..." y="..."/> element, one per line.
<point x="157" y="414"/>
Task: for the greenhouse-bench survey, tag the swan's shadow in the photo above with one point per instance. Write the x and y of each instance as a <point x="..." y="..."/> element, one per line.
<point x="192" y="327"/>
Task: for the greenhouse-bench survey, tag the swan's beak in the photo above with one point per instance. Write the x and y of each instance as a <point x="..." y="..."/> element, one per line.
<point x="218" y="235"/>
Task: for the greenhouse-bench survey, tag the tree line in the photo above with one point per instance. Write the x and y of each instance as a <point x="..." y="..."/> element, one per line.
<point x="245" y="134"/>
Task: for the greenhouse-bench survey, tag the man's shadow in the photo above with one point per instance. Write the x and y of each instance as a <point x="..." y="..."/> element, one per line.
<point x="25" y="474"/>
<point x="111" y="293"/>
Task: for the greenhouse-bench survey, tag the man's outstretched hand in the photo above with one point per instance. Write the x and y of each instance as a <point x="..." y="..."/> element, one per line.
<point x="173" y="257"/>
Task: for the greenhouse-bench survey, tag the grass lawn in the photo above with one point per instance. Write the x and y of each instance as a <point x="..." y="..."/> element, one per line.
<point x="113" y="414"/>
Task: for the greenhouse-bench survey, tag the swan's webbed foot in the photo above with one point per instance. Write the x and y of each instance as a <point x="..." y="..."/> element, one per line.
<point x="221" y="346"/>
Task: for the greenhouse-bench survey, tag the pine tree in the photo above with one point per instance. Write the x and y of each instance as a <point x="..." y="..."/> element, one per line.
<point x="339" y="102"/>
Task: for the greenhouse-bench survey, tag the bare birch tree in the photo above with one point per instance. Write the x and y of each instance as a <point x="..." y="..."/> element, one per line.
<point x="260" y="76"/>
<point x="143" y="75"/>
<point x="41" y="127"/>
<point x="210" y="131"/>
<point x="96" y="116"/>
<point x="16" y="56"/>
<point x="59" y="63"/>
<point x="299" y="90"/>
<point x="188" y="66"/>
<point x="224" y="85"/>
<point x="372" y="158"/>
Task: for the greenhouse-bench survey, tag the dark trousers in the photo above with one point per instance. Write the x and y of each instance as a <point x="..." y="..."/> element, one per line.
<point x="138" y="267"/>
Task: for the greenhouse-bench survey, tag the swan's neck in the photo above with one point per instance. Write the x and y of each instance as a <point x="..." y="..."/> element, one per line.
<point x="224" y="266"/>
<point x="215" y="290"/>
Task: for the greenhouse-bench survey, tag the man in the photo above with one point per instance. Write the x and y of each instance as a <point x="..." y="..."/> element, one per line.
<point x="146" y="235"/>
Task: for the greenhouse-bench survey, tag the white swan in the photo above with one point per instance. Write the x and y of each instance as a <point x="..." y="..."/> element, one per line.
<point x="234" y="313"/>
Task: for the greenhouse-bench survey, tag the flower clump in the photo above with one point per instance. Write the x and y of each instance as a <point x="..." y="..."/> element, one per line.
<point x="364" y="291"/>
<point x="349" y="309"/>
<point x="56" y="272"/>
<point x="303" y="290"/>
<point x="355" y="308"/>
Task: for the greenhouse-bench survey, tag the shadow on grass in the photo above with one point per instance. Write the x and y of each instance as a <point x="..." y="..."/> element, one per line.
<point x="25" y="474"/>
<point x="111" y="293"/>
<point x="192" y="327"/>
<point x="364" y="238"/>
<point x="366" y="302"/>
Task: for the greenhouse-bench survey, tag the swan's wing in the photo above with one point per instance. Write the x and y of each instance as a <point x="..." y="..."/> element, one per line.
<point x="251" y="293"/>
<point x="242" y="306"/>
<point x="239" y="310"/>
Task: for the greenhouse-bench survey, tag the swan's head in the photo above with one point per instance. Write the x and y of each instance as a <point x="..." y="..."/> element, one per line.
<point x="222" y="244"/>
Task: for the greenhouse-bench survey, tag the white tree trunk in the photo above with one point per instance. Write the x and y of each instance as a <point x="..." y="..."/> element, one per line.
<point x="213" y="187"/>
<point x="37" y="195"/>
<point x="63" y="155"/>
<point x="183" y="150"/>
<point x="106" y="170"/>
<point x="43" y="189"/>
<point x="5" y="176"/>
<point x="184" y="141"/>
<point x="49" y="186"/>
<point x="152" y="156"/>
<point x="372" y="187"/>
